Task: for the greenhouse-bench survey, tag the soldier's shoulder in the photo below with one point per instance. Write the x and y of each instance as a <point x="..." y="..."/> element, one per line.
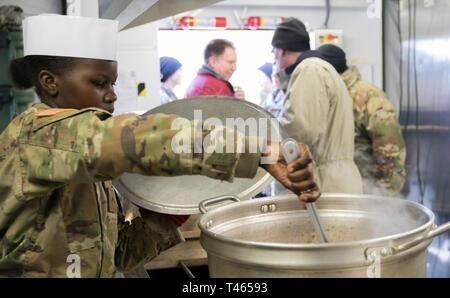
<point x="37" y="118"/>
<point x="68" y="112"/>
<point x="362" y="86"/>
<point x="369" y="88"/>
<point x="57" y="128"/>
<point x="49" y="116"/>
<point x="375" y="96"/>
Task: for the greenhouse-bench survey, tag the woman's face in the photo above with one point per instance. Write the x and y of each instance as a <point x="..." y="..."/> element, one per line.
<point x="89" y="83"/>
<point x="176" y="78"/>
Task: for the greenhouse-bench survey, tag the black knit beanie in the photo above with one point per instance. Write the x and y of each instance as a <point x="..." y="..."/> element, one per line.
<point x="291" y="35"/>
<point x="335" y="56"/>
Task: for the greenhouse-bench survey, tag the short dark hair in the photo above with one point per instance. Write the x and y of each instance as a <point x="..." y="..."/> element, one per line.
<point x="24" y="71"/>
<point x="216" y="47"/>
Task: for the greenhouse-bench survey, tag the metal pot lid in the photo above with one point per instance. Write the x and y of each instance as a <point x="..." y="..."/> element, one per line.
<point x="182" y="194"/>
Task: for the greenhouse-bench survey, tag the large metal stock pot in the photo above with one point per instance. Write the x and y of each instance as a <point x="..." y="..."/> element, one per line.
<point x="369" y="236"/>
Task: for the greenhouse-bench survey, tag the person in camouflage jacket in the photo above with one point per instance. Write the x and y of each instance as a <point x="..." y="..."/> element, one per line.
<point x="11" y="17"/>
<point x="59" y="213"/>
<point x="380" y="150"/>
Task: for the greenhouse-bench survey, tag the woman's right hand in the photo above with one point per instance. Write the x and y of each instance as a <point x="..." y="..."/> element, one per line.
<point x="298" y="175"/>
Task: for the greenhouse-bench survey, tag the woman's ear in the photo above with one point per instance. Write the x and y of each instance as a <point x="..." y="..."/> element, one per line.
<point x="48" y="82"/>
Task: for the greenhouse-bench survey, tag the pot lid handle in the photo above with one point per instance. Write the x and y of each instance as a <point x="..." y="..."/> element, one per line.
<point x="203" y="204"/>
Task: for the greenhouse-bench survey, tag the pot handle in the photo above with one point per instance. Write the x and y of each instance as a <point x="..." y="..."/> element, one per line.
<point x="203" y="204"/>
<point x="433" y="233"/>
<point x="372" y="252"/>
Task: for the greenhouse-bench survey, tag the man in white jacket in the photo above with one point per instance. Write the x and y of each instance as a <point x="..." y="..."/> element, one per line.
<point x="318" y="108"/>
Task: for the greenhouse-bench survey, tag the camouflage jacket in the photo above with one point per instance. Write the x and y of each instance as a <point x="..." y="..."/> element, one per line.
<point x="57" y="203"/>
<point x="379" y="145"/>
<point x="11" y="17"/>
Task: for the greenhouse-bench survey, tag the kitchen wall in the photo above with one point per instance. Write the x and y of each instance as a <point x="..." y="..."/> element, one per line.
<point x="417" y="71"/>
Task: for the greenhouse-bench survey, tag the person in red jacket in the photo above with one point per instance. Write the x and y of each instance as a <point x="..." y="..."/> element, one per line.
<point x="213" y="76"/>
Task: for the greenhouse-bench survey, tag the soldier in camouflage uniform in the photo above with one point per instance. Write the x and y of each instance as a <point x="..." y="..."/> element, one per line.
<point x="379" y="145"/>
<point x="11" y="18"/>
<point x="57" y="203"/>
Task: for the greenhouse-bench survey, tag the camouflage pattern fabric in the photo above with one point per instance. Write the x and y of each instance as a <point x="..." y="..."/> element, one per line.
<point x="57" y="201"/>
<point x="11" y="18"/>
<point x="379" y="145"/>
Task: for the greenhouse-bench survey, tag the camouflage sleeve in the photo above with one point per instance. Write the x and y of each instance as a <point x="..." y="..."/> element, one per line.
<point x="387" y="143"/>
<point x="84" y="147"/>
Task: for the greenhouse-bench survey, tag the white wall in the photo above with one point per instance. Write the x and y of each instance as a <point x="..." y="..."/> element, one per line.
<point x="138" y="61"/>
<point x="89" y="8"/>
<point x="85" y="8"/>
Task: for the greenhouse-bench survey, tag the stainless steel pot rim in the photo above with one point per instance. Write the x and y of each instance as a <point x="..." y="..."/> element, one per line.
<point x="321" y="246"/>
<point x="326" y="266"/>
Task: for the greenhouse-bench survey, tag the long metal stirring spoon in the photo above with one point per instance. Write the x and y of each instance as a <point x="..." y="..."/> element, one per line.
<point x="290" y="153"/>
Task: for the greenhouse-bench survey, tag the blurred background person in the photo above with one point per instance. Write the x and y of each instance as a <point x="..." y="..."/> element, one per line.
<point x="265" y="83"/>
<point x="380" y="150"/>
<point x="213" y="77"/>
<point x="171" y="76"/>
<point x="275" y="101"/>
<point x="317" y="108"/>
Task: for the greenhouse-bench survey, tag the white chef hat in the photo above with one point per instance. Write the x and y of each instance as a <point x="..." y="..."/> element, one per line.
<point x="70" y="36"/>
